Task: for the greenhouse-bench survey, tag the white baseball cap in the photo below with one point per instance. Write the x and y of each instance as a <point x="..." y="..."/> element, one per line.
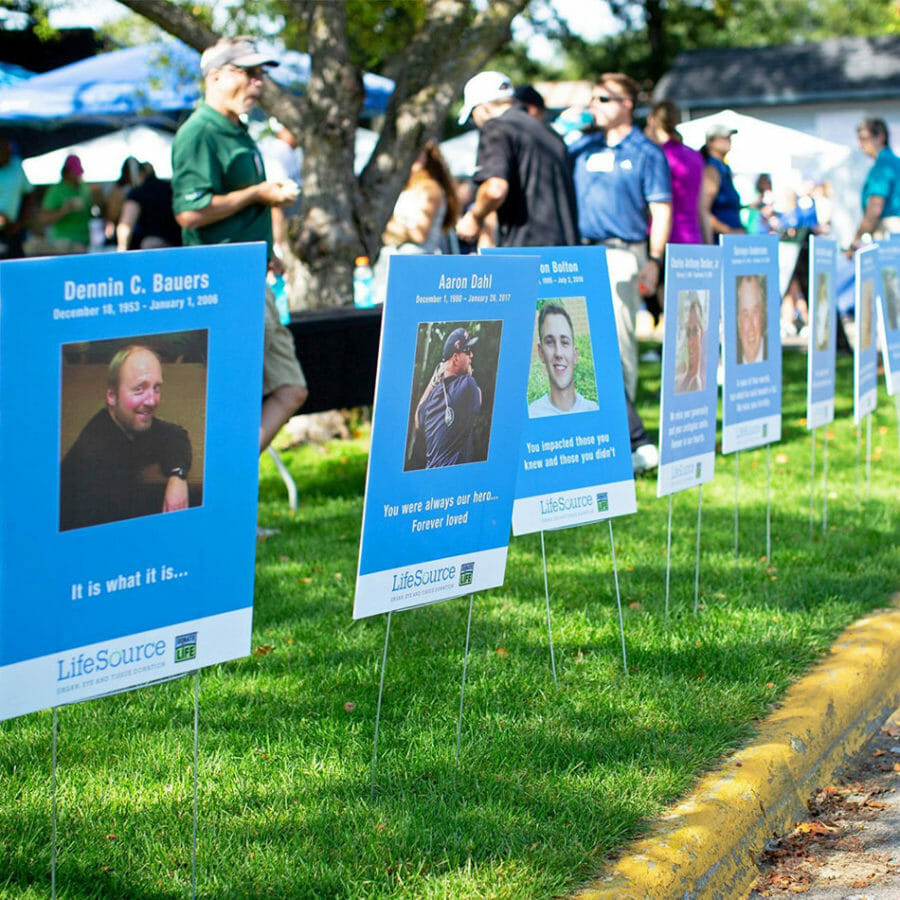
<point x="485" y="87"/>
<point x="241" y="52"/>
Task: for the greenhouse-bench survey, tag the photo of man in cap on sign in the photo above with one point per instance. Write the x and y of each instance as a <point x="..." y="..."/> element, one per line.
<point x="450" y="423"/>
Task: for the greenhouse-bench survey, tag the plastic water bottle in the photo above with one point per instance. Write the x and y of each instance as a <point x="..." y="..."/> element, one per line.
<point x="96" y="233"/>
<point x="281" y="300"/>
<point x="363" y="278"/>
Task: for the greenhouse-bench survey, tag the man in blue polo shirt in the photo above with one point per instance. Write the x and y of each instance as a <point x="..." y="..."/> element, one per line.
<point x="622" y="186"/>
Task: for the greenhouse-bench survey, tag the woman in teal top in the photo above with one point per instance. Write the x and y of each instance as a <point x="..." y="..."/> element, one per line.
<point x="881" y="189"/>
<point x="67" y="206"/>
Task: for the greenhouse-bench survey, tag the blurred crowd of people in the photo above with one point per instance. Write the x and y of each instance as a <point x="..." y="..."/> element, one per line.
<point x="590" y="176"/>
<point x="72" y="216"/>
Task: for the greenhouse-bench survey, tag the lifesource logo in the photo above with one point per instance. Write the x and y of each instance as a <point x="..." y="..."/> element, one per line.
<point x="83" y="664"/>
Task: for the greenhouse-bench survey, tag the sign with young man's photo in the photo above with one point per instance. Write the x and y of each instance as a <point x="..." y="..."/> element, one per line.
<point x="865" y="346"/>
<point x="689" y="394"/>
<point x="130" y="389"/>
<point x="822" y="347"/>
<point x="751" y="348"/>
<point x="575" y="461"/>
<point x="451" y="374"/>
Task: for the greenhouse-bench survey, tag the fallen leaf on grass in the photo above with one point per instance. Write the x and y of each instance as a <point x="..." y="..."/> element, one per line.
<point x="263" y="650"/>
<point x="502" y="651"/>
<point x="770" y="685"/>
<point x="349" y="706"/>
<point x="111" y="837"/>
<point x="289" y="640"/>
<point x="304" y="580"/>
<point x="878" y="753"/>
<point x="381" y="827"/>
<point x="635" y="605"/>
<point x="814" y="828"/>
<point x="338" y="575"/>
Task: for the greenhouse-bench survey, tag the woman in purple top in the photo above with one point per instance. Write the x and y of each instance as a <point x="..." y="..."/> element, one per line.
<point x="690" y="222"/>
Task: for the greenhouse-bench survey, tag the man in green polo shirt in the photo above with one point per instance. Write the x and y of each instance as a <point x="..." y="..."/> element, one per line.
<point x="220" y="195"/>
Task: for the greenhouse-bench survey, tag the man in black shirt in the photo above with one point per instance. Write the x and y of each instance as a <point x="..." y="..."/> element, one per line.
<point x="522" y="171"/>
<point x="102" y="475"/>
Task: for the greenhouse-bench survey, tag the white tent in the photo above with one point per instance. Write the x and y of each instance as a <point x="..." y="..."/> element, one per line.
<point x="102" y="157"/>
<point x="759" y="146"/>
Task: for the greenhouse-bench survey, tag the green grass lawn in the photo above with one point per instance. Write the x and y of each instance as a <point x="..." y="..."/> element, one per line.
<point x="550" y="781"/>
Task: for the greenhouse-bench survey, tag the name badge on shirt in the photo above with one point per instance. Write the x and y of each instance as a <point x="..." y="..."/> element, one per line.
<point x="603" y="161"/>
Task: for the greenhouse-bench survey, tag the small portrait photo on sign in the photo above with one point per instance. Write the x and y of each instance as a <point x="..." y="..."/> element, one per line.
<point x="890" y="284"/>
<point x="823" y="311"/>
<point x="750" y="291"/>
<point x="690" y="344"/>
<point x="132" y="427"/>
<point x="866" y="313"/>
<point x="561" y="379"/>
<point x="452" y="399"/>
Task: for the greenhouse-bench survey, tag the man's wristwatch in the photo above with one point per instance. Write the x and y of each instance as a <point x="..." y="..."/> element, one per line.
<point x="178" y="472"/>
<point x="657" y="260"/>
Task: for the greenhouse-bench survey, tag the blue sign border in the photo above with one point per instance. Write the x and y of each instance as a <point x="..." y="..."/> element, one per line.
<point x="57" y="601"/>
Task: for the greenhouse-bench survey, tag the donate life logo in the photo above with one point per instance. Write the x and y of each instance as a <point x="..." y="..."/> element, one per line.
<point x="185" y="647"/>
<point x="466" y="573"/>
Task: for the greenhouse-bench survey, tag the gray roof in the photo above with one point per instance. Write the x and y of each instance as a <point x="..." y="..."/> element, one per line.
<point x="856" y="68"/>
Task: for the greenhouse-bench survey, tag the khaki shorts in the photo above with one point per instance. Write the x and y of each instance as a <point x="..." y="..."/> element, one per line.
<point x="280" y="364"/>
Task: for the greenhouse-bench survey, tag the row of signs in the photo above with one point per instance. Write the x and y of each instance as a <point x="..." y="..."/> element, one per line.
<point x="130" y="387"/>
<point x="537" y="323"/>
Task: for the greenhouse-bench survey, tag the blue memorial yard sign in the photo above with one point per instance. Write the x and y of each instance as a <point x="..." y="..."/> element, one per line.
<point x="889" y="311"/>
<point x="751" y="395"/>
<point x="865" y="345"/>
<point x="820" y="374"/>
<point x="114" y="573"/>
<point x="452" y="365"/>
<point x="690" y="393"/>
<point x="575" y="461"/>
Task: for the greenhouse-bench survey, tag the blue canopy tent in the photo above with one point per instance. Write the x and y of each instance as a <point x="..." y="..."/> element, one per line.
<point x="155" y="84"/>
<point x="11" y="74"/>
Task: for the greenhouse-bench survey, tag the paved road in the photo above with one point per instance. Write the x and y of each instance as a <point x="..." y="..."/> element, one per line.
<point x="849" y="847"/>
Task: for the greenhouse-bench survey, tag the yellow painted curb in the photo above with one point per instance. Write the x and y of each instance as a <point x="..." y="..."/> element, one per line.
<point x="707" y="846"/>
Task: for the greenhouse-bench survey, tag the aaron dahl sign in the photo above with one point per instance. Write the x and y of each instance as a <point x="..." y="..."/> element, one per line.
<point x="448" y="412"/>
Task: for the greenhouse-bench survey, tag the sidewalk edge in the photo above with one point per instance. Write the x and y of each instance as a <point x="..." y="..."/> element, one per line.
<point x="707" y="846"/>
